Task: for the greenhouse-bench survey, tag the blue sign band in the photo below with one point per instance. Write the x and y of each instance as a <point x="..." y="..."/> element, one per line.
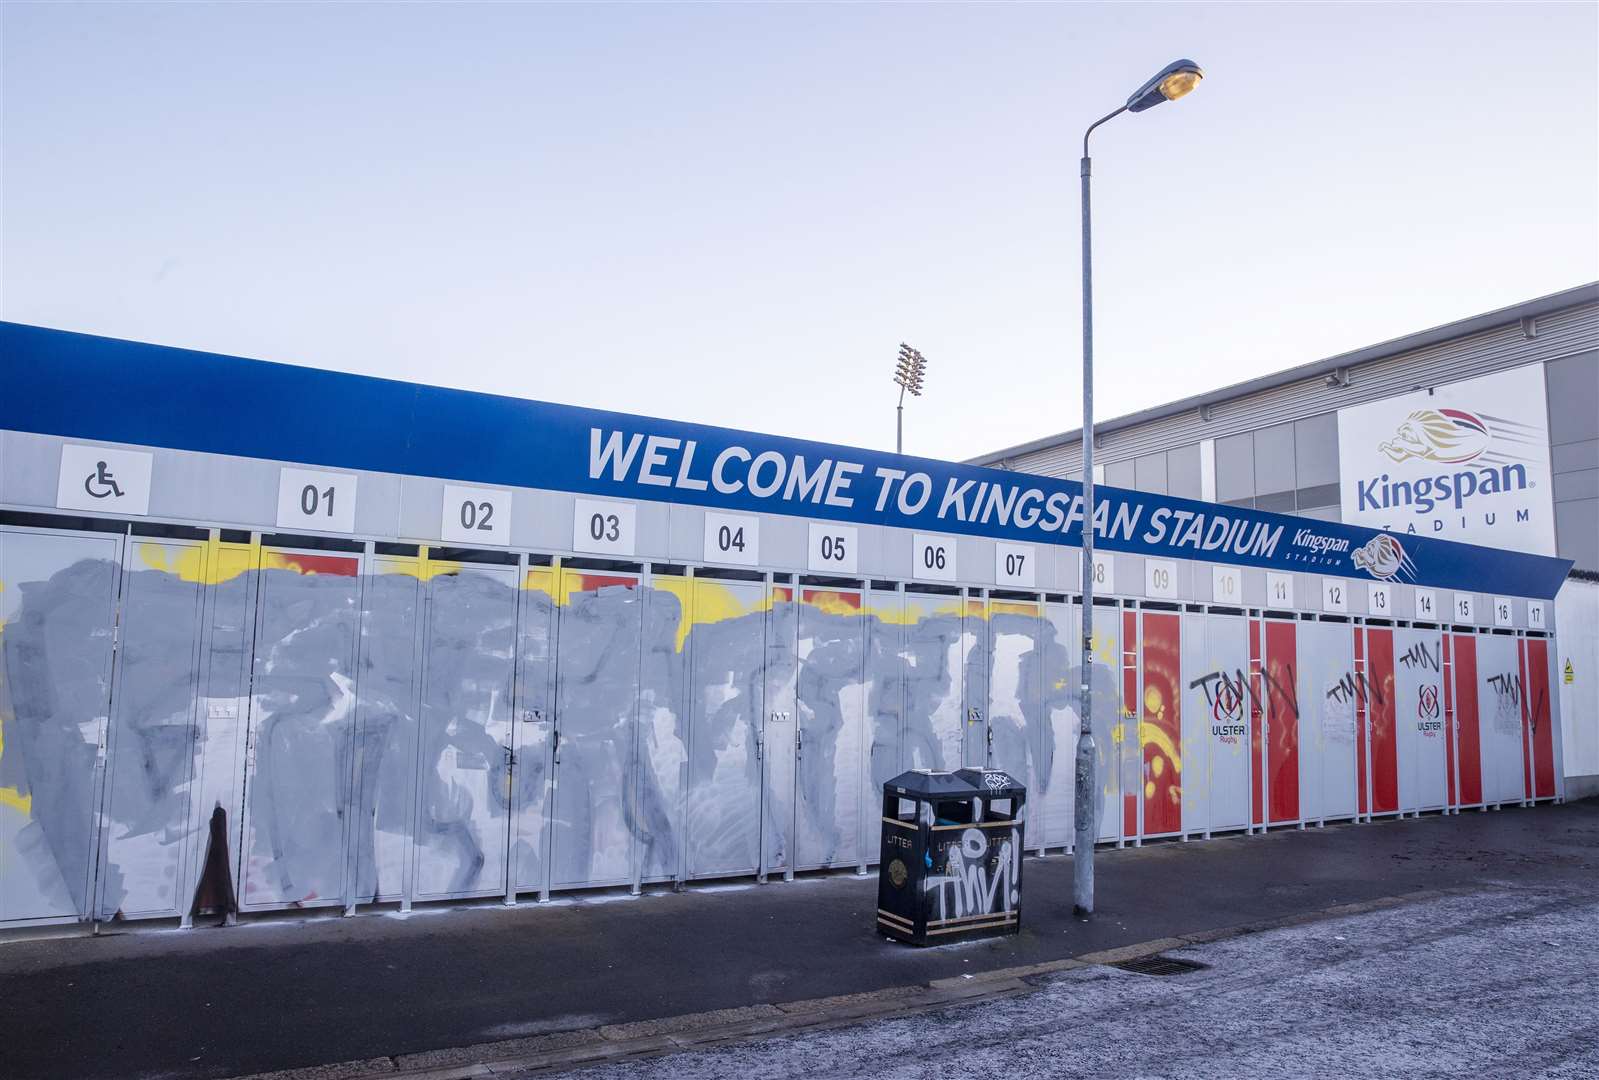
<point x="84" y="387"/>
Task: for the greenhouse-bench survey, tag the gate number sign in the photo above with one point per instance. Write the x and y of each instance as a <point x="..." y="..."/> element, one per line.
<point x="1015" y="564"/>
<point x="603" y="527"/>
<point x="474" y="515"/>
<point x="316" y="500"/>
<point x="834" y="549"/>
<point x="932" y="557"/>
<point x="732" y="538"/>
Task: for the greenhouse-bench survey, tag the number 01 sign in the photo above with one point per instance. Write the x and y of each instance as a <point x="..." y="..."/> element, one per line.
<point x="312" y="499"/>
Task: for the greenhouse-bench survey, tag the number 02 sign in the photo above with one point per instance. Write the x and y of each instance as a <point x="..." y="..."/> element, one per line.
<point x="476" y="515"/>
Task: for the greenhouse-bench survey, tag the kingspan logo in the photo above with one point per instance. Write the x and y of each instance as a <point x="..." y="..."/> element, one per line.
<point x="1383" y="558"/>
<point x="1448" y="437"/>
<point x="1319" y="544"/>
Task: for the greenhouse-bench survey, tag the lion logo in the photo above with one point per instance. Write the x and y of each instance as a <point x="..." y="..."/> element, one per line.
<point x="1450" y="436"/>
<point x="1382" y="557"/>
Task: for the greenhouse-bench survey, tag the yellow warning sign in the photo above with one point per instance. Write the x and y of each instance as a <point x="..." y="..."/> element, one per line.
<point x="1571" y="674"/>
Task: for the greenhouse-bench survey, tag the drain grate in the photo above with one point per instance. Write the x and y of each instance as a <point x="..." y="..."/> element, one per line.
<point x="1160" y="965"/>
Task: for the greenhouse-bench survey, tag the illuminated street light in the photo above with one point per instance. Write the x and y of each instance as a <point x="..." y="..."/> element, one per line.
<point x="1170" y="83"/>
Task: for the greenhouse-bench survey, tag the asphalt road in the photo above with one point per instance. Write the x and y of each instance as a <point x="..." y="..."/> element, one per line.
<point x="1497" y="984"/>
<point x="287" y="992"/>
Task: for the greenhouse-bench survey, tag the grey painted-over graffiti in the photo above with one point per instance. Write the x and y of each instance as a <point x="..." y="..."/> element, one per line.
<point x="380" y="735"/>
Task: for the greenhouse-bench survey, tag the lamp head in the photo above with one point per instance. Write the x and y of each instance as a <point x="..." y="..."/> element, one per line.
<point x="1170" y="83"/>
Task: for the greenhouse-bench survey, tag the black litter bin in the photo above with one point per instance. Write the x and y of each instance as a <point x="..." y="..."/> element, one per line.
<point x="951" y="866"/>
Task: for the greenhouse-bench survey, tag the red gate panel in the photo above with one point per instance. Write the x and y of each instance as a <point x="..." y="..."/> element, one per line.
<point x="1161" y="730"/>
<point x="1379" y="692"/>
<point x="1465" y="698"/>
<point x="1362" y="720"/>
<point x="1129" y="716"/>
<point x="1540" y="734"/>
<point x="1282" y="721"/>
<point x="1257" y="722"/>
<point x="1446" y="653"/>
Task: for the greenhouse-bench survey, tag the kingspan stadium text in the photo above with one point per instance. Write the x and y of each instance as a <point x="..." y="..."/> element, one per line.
<point x="1380" y="493"/>
<point x="789" y="478"/>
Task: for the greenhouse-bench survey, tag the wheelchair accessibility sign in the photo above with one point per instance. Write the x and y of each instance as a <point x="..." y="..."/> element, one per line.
<point x="101" y="480"/>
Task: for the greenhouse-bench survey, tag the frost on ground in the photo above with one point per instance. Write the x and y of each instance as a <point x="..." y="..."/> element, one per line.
<point x="1498" y="983"/>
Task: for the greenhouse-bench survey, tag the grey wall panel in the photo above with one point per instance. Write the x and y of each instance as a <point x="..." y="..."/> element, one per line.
<point x="1574" y="456"/>
<point x="543" y="520"/>
<point x="421" y="507"/>
<point x="209" y="487"/>
<point x="58" y="611"/>
<point x="1235" y="468"/>
<point x="1575" y="486"/>
<point x="377" y="504"/>
<point x="784" y="542"/>
<point x="686" y="534"/>
<point x="1149" y="473"/>
<point x="32" y="464"/>
<point x="1184" y="473"/>
<point x="654" y="530"/>
<point x="1573" y="386"/>
<point x="1577" y="532"/>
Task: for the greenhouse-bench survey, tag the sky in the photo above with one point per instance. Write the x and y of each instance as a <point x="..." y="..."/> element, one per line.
<point x="733" y="214"/>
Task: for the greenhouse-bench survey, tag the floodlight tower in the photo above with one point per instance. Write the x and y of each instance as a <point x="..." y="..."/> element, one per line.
<point x="908" y="372"/>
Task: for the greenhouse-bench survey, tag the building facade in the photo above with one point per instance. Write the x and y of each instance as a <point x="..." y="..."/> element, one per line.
<point x="1407" y="435"/>
<point x="273" y="637"/>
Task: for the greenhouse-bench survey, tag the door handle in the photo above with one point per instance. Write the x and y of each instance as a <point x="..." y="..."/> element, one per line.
<point x="555" y="746"/>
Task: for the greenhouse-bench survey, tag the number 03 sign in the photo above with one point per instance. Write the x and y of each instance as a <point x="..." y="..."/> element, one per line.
<point x="604" y="528"/>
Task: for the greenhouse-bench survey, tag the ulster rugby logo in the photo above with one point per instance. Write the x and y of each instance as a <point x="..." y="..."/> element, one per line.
<point x="1449" y="436"/>
<point x="1383" y="558"/>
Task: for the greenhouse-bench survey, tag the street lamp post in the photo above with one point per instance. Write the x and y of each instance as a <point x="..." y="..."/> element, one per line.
<point x="908" y="372"/>
<point x="1169" y="84"/>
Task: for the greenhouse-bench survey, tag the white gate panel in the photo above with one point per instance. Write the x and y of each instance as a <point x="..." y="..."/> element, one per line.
<point x="1418" y="712"/>
<point x="725" y="704"/>
<point x="297" y="784"/>
<point x="597" y="696"/>
<point x="830" y="740"/>
<point x="468" y="689"/>
<point x="147" y="835"/>
<point x="1499" y="702"/>
<point x="57" y="619"/>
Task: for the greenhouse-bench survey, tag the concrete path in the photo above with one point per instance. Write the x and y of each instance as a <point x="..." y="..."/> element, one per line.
<point x="1500" y="983"/>
<point x="392" y="991"/>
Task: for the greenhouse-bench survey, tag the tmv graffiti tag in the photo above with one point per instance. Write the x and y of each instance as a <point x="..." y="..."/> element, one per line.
<point x="965" y="888"/>
<point x="1419" y="656"/>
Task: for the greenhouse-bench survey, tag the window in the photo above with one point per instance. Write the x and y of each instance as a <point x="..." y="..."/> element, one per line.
<point x="1235" y="470"/>
<point x="1182" y="473"/>
<point x="1149" y="473"/>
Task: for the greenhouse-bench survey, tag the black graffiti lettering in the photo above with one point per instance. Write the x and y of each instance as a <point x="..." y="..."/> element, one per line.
<point x="1203" y="683"/>
<point x="1289" y="691"/>
<point x="1419" y="655"/>
<point x="1507" y="686"/>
